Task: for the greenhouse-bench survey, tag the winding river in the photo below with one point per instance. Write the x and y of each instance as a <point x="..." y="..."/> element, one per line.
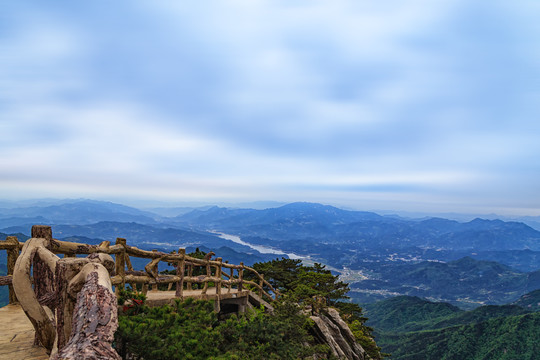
<point x="260" y="248"/>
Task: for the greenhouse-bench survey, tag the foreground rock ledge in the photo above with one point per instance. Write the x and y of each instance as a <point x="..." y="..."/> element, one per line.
<point x="332" y="330"/>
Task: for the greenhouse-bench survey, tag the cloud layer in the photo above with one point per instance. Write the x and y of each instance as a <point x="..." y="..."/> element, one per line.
<point x="407" y="105"/>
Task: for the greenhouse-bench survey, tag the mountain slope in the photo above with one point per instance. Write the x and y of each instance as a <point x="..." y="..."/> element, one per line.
<point x="505" y="338"/>
<point x="404" y="313"/>
<point x="414" y="328"/>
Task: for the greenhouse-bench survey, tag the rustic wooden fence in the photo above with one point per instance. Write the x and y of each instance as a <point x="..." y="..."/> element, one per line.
<point x="12" y="247"/>
<point x="63" y="287"/>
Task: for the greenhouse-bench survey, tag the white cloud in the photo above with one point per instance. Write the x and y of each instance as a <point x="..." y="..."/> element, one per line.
<point x="348" y="100"/>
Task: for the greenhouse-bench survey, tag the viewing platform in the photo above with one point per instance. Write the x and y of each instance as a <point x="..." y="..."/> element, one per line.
<point x="50" y="295"/>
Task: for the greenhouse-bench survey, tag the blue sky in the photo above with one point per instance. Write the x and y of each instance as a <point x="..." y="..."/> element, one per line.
<point x="406" y="105"/>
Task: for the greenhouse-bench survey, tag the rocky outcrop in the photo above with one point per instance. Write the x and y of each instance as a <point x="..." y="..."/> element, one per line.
<point x="330" y="329"/>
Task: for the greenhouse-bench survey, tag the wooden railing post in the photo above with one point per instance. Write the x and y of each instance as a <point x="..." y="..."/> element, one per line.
<point x="241" y="277"/>
<point x="208" y="274"/>
<point x="155" y="271"/>
<point x="189" y="287"/>
<point x="128" y="262"/>
<point x="231" y="277"/>
<point x="219" y="269"/>
<point x="12" y="255"/>
<point x="120" y="260"/>
<point x="170" y="285"/>
<point x="43" y="275"/>
<point x="42" y="231"/>
<point x="261" y="283"/>
<point x="180" y="268"/>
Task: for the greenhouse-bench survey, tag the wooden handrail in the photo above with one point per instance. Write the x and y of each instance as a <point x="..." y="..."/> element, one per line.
<point x="52" y="298"/>
<point x="122" y="252"/>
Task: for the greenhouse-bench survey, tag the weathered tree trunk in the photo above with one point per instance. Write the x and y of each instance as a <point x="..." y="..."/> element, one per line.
<point x="95" y="317"/>
<point x="41" y="317"/>
<point x="66" y="269"/>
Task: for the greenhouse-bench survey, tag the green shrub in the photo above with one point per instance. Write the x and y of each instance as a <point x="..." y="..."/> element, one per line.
<point x="191" y="330"/>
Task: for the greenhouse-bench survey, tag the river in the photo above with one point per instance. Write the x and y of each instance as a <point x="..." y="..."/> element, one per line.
<point x="306" y="260"/>
<point x="260" y="248"/>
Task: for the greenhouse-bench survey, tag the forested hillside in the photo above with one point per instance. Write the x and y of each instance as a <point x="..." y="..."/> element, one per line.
<point x="413" y="328"/>
<point x="504" y="338"/>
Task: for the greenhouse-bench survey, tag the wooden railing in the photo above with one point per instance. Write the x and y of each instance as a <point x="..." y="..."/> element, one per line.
<point x="13" y="247"/>
<point x="65" y="289"/>
<point x="214" y="271"/>
<point x="184" y="265"/>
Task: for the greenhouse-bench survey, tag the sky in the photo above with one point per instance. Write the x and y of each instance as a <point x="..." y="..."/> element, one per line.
<point x="412" y="105"/>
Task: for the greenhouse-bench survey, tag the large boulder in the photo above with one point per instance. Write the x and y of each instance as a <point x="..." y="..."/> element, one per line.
<point x="330" y="329"/>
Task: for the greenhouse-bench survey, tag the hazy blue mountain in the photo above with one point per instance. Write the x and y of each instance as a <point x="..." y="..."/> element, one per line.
<point x="6" y="222"/>
<point x="493" y="235"/>
<point x="175" y="211"/>
<point x="315" y="222"/>
<point x="287" y="217"/>
<point x="298" y="226"/>
<point x="75" y="212"/>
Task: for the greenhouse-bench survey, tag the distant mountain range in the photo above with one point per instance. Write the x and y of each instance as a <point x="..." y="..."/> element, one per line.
<point x="316" y="222"/>
<point x="296" y="221"/>
<point x="81" y="212"/>
<point x="381" y="256"/>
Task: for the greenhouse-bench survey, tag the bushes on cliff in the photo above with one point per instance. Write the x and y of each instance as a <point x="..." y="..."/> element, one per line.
<point x="191" y="330"/>
<point x="316" y="287"/>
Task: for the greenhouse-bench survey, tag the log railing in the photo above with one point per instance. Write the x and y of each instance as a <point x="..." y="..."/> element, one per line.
<point x="76" y="289"/>
<point x="215" y="270"/>
<point x="12" y="247"/>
